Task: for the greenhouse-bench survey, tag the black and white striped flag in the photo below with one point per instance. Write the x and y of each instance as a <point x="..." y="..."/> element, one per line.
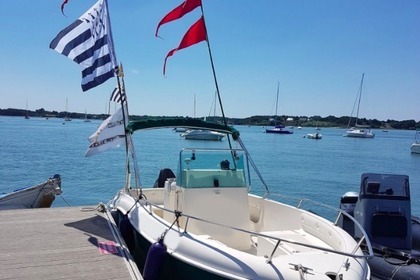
<point x="117" y="96"/>
<point x="88" y="42"/>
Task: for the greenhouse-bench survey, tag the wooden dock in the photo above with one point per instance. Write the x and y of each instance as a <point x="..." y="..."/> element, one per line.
<point x="62" y="243"/>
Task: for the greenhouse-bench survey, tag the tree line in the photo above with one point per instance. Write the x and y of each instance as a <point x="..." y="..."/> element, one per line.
<point x="303" y="121"/>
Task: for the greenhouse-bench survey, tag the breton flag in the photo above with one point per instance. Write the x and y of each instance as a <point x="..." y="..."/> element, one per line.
<point x="88" y="42"/>
<point x="117" y="96"/>
<point x="110" y="134"/>
<point x="194" y="35"/>
<point x="177" y="13"/>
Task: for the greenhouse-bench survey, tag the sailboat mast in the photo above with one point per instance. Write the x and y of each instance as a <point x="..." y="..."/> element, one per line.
<point x="195" y="103"/>
<point x="360" y="97"/>
<point x="214" y="109"/>
<point x="277" y="102"/>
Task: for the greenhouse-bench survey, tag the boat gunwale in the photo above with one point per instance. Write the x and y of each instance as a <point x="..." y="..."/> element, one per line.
<point x="150" y="206"/>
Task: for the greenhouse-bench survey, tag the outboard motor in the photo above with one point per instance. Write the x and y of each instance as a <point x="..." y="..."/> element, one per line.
<point x="384" y="210"/>
<point x="347" y="204"/>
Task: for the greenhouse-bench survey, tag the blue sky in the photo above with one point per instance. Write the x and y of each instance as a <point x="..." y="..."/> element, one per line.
<point x="317" y="50"/>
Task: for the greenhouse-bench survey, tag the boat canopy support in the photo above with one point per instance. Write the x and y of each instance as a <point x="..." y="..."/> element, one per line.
<point x="162" y="122"/>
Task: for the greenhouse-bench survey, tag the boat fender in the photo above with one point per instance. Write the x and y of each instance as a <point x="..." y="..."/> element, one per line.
<point x="127" y="231"/>
<point x="155" y="260"/>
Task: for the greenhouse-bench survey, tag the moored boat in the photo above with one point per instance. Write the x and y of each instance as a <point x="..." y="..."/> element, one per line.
<point x="201" y="134"/>
<point x="316" y="136"/>
<point x="383" y="209"/>
<point x="38" y="196"/>
<point x="278" y="128"/>
<point x="415" y="146"/>
<point x="206" y="224"/>
<point x="358" y="130"/>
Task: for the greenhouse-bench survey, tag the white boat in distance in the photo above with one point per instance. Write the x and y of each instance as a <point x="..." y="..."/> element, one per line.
<point x="316" y="136"/>
<point x="415" y="147"/>
<point x="201" y="134"/>
<point x="38" y="196"/>
<point x="204" y="223"/>
<point x="359" y="131"/>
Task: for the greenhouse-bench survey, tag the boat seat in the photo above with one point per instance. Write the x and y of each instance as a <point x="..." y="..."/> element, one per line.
<point x="224" y="206"/>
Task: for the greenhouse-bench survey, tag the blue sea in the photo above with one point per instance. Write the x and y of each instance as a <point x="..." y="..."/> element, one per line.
<point x="33" y="150"/>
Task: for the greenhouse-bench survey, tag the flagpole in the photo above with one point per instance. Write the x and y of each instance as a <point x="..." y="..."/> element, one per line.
<point x="214" y="73"/>
<point x="128" y="143"/>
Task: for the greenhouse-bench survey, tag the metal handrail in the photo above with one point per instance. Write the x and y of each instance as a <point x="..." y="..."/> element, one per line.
<point x="279" y="240"/>
<point x="340" y="213"/>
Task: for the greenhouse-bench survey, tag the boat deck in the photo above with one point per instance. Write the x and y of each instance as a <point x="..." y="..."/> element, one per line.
<point x="62" y="243"/>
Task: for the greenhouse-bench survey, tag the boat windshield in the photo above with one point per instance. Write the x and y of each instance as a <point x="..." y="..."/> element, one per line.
<point x="228" y="167"/>
<point x="385" y="186"/>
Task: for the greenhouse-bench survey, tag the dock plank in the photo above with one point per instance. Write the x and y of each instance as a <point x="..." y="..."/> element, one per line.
<point x="62" y="243"/>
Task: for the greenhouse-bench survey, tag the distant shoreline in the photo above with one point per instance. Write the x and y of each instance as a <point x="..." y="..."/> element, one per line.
<point x="303" y="121"/>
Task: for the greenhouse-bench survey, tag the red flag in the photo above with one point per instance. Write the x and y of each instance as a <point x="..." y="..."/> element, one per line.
<point x="194" y="35"/>
<point x="183" y="9"/>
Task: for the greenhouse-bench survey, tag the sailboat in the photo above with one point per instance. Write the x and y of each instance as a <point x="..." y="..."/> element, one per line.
<point x="415" y="147"/>
<point x="86" y="118"/>
<point x="278" y="128"/>
<point x="67" y="118"/>
<point x="26" y="113"/>
<point x="359" y="131"/>
<point x="203" y="222"/>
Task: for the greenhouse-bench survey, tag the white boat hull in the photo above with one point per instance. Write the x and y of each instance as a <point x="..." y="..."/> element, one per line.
<point x="206" y="254"/>
<point x="203" y="135"/>
<point x="314" y="136"/>
<point x="38" y="196"/>
<point x="415" y="148"/>
<point x="359" y="133"/>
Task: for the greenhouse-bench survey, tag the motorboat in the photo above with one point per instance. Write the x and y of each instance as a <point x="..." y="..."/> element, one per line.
<point x="202" y="134"/>
<point x="316" y="136"/>
<point x="202" y="221"/>
<point x="38" y="196"/>
<point x="383" y="208"/>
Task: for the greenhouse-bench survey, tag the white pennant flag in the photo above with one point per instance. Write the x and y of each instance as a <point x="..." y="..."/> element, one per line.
<point x="88" y="42"/>
<point x="110" y="134"/>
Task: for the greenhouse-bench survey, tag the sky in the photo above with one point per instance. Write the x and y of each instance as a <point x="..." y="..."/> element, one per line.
<point x="316" y="50"/>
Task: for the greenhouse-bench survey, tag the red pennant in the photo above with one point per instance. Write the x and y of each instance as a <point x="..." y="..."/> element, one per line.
<point x="194" y="35"/>
<point x="177" y="13"/>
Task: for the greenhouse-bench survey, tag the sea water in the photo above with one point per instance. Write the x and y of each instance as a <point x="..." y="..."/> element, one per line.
<point x="322" y="170"/>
